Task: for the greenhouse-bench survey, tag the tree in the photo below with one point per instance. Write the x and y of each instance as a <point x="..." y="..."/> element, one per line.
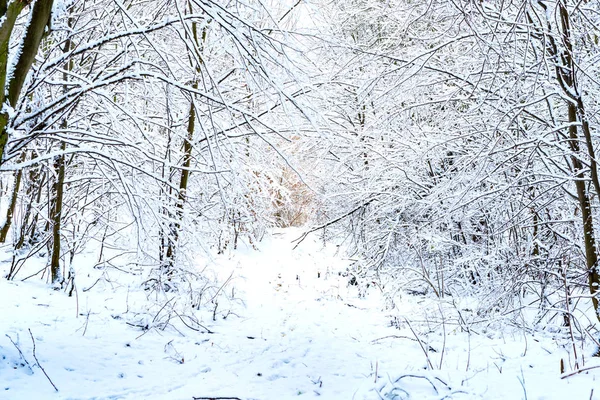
<point x="481" y="127"/>
<point x="12" y="77"/>
<point x="113" y="116"/>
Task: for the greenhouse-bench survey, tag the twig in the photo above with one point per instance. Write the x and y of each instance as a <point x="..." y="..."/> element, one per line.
<point x="420" y="344"/>
<point x="393" y="337"/>
<point x="196" y="322"/>
<point x="76" y="299"/>
<point x="38" y="361"/>
<point x="90" y="288"/>
<point x="570" y="316"/>
<point x="216" y="398"/>
<point x="469" y="353"/>
<point x="289" y="11"/>
<point x="522" y="382"/>
<point x="145" y="328"/>
<point x="214" y="317"/>
<point x="579" y="371"/>
<point x="419" y="377"/>
<point x="87" y="320"/>
<point x="161" y="309"/>
<point x="326" y="224"/>
<point x="441" y="381"/>
<point x="221" y="288"/>
<point x="20" y="352"/>
<point x="444" y="344"/>
<point x="393" y="390"/>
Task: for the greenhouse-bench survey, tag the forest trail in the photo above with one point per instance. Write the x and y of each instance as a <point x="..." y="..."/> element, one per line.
<point x="294" y="328"/>
<point x="309" y="325"/>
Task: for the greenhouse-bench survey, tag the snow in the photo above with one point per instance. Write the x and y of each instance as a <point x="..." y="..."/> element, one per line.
<point x="294" y="328"/>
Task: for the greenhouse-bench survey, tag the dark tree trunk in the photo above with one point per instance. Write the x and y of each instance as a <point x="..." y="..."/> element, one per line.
<point x="13" y="204"/>
<point x="10" y="90"/>
<point x="56" y="218"/>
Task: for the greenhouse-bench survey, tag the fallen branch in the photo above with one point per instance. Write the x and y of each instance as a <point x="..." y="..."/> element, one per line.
<point x="579" y="371"/>
<point x="393" y="337"/>
<point x="420" y="377"/>
<point x="420" y="344"/>
<point x="195" y="321"/>
<point x="20" y="352"/>
<point x="38" y="361"/>
<point x="216" y="398"/>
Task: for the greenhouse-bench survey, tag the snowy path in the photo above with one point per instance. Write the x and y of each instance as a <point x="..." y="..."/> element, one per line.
<point x="296" y="330"/>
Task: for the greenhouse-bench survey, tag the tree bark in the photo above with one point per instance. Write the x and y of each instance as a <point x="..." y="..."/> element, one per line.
<point x="10" y="89"/>
<point x="57" y="278"/>
<point x="175" y="226"/>
<point x="559" y="48"/>
<point x="33" y="193"/>
<point x="568" y="80"/>
<point x="183" y="184"/>
<point x="13" y="203"/>
<point x="591" y="254"/>
<point x="57" y="210"/>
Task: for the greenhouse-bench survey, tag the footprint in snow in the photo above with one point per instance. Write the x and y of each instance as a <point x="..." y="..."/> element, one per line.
<point x="274" y="377"/>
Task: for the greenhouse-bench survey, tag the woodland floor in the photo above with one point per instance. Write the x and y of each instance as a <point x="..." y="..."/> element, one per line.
<point x="294" y="328"/>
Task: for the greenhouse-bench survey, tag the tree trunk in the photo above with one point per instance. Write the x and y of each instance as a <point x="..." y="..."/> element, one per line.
<point x="566" y="75"/>
<point x="13" y="204"/>
<point x="57" y="210"/>
<point x="33" y="194"/>
<point x="10" y="89"/>
<point x="56" y="217"/>
<point x="591" y="254"/>
<point x="183" y="184"/>
<point x="175" y="226"/>
<point x="568" y="80"/>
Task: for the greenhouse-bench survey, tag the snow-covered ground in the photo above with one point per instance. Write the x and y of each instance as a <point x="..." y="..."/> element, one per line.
<point x="293" y="328"/>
